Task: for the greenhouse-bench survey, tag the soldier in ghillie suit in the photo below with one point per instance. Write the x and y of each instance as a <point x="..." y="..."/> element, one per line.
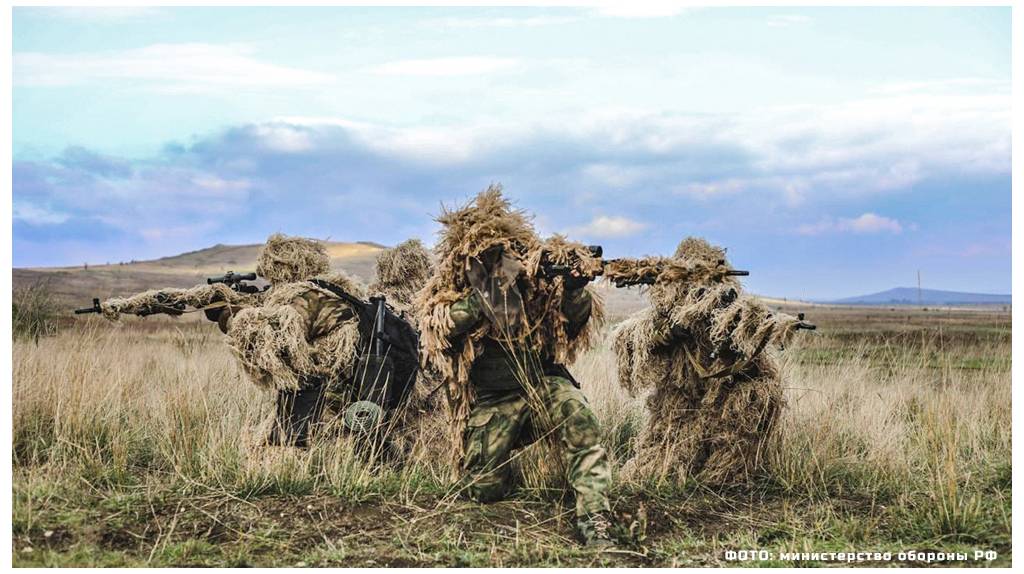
<point x="499" y="333"/>
<point x="400" y="273"/>
<point x="313" y="339"/>
<point x="301" y="338"/>
<point x="706" y="351"/>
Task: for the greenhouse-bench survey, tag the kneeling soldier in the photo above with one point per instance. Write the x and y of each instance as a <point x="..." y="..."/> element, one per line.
<point x="500" y="334"/>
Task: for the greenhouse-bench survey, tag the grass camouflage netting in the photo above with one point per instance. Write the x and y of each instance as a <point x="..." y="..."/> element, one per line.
<point x="279" y="344"/>
<point x="706" y="354"/>
<point x="401" y="273"/>
<point x="172" y="300"/>
<point x="286" y="259"/>
<point x="489" y="221"/>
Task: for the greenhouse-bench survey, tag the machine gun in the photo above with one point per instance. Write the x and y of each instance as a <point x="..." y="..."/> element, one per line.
<point x="386" y="371"/>
<point x="388" y="363"/>
<point x="637" y="275"/>
<point x="236" y="282"/>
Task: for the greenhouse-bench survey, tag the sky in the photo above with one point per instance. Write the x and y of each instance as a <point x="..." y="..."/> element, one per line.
<point x="833" y="151"/>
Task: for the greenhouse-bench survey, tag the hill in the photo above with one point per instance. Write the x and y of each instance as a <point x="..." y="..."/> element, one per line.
<point x="78" y="285"/>
<point x="909" y="296"/>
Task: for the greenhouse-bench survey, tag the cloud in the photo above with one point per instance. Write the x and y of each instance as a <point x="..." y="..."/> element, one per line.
<point x="604" y="226"/>
<point x="172" y="66"/>
<point x="640" y="9"/>
<point x="674" y="174"/>
<point x="713" y="189"/>
<point x="78" y="157"/>
<point x="867" y="223"/>
<point x="36" y="215"/>
<point x="98" y="14"/>
<point x="632" y="10"/>
<point x="950" y="85"/>
<point x="788" y="20"/>
<point x="460" y="66"/>
<point x="498" y="22"/>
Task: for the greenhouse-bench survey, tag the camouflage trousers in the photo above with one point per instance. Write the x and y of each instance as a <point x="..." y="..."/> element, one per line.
<point x="504" y="420"/>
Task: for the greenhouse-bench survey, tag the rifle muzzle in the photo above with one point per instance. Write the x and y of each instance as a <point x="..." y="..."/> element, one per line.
<point x="94" y="309"/>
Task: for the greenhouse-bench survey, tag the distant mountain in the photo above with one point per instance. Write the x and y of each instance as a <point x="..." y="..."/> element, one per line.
<point x="909" y="296"/>
<point x="72" y="285"/>
<point x="76" y="286"/>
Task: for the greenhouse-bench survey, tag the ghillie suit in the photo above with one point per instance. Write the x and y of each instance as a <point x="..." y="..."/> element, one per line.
<point x="174" y="301"/>
<point x="321" y="345"/>
<point x="706" y="351"/>
<point x="298" y="338"/>
<point x="499" y="333"/>
<point x="401" y="273"/>
<point x="301" y="332"/>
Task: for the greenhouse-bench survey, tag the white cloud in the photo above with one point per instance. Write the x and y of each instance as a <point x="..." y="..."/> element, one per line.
<point x="713" y="189"/>
<point x="218" y="185"/>
<point x="439" y="145"/>
<point x="864" y="224"/>
<point x="787" y="20"/>
<point x="100" y="13"/>
<point x="174" y="66"/>
<point x="870" y="223"/>
<point x="947" y="85"/>
<point x="640" y="9"/>
<point x="36" y="215"/>
<point x="464" y="66"/>
<point x="858" y="148"/>
<point x="168" y="232"/>
<point x="609" y="226"/>
<point x="284" y="137"/>
<point x="614" y="175"/>
<point x="498" y="22"/>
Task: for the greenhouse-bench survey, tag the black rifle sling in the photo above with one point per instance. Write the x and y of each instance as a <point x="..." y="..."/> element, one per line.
<point x="367" y="315"/>
<point x="360" y="306"/>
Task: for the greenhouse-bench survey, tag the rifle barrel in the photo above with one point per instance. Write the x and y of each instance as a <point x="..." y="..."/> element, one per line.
<point x="94" y="309"/>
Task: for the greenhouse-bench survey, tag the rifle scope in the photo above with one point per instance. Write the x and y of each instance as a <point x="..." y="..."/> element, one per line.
<point x="231" y="277"/>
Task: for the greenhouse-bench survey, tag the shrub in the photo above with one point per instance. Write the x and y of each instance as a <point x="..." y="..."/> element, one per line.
<point x="35" y="312"/>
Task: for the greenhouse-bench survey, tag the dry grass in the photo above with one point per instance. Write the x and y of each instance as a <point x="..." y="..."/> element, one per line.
<point x="35" y="311"/>
<point x="140" y="445"/>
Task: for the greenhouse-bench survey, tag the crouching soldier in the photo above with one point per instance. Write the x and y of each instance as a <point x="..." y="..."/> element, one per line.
<point x="311" y="337"/>
<point x="499" y="333"/>
<point x="328" y="351"/>
<point x="708" y="354"/>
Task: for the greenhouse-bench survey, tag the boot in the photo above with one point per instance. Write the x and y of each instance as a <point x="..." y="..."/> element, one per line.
<point x="595" y="531"/>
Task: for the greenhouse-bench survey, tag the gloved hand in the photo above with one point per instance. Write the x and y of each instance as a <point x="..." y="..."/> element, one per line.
<point x="576" y="281"/>
<point x="221" y="316"/>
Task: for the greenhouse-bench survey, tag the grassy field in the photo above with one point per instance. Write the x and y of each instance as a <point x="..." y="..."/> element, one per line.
<point x="138" y="445"/>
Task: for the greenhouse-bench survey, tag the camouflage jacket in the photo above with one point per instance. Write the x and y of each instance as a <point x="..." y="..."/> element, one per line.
<point x="500" y="368"/>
